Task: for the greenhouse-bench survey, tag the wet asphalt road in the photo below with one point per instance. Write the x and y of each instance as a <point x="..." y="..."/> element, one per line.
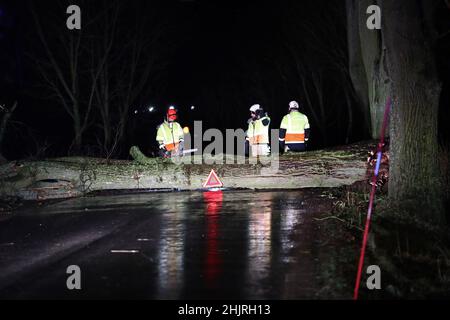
<point x="198" y="245"/>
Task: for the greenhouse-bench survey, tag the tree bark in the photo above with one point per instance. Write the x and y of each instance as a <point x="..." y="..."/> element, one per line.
<point x="69" y="177"/>
<point x="414" y="171"/>
<point x="374" y="62"/>
<point x="356" y="65"/>
<point x="367" y="62"/>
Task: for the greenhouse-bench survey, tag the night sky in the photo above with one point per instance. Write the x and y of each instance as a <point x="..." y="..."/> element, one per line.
<point x="220" y="56"/>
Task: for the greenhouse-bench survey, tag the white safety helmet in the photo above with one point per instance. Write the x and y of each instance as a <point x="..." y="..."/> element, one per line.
<point x="255" y="108"/>
<point x="293" y="105"/>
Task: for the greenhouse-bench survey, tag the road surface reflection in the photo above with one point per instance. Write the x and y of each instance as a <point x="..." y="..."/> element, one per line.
<point x="230" y="244"/>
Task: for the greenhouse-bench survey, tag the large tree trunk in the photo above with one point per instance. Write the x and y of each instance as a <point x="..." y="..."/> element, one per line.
<point x="367" y="62"/>
<point x="68" y="177"/>
<point x="414" y="171"/>
<point x="356" y="65"/>
<point x="374" y="63"/>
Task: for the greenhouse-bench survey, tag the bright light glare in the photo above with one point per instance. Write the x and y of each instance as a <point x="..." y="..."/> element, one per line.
<point x="192" y="107"/>
<point x="151" y="109"/>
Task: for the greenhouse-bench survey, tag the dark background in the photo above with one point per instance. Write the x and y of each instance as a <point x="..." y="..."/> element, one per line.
<point x="221" y="57"/>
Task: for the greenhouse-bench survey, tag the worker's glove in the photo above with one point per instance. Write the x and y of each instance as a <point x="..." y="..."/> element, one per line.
<point x="164" y="153"/>
<point x="267" y="150"/>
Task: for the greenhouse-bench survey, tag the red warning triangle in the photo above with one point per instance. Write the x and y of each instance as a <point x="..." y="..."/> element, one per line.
<point x="213" y="181"/>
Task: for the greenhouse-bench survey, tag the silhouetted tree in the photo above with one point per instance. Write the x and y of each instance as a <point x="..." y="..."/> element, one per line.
<point x="133" y="55"/>
<point x="317" y="59"/>
<point x="63" y="64"/>
<point x="101" y="71"/>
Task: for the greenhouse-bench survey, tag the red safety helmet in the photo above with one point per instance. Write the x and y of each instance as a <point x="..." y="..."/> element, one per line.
<point x="171" y="114"/>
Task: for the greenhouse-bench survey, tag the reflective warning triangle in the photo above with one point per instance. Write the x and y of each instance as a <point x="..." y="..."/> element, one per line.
<point x="213" y="181"/>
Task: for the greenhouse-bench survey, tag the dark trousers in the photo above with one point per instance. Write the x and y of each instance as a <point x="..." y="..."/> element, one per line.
<point x="296" y="147"/>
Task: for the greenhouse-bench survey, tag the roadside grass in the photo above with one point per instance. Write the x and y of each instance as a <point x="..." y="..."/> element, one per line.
<point x="414" y="255"/>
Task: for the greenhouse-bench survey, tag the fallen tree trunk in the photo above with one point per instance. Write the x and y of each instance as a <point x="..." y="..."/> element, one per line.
<point x="71" y="177"/>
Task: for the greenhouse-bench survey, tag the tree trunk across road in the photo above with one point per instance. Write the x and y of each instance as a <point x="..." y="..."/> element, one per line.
<point x="71" y="177"/>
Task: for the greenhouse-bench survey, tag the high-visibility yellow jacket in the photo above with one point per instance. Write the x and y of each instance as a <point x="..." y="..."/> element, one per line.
<point x="169" y="135"/>
<point x="295" y="124"/>
<point x="257" y="132"/>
